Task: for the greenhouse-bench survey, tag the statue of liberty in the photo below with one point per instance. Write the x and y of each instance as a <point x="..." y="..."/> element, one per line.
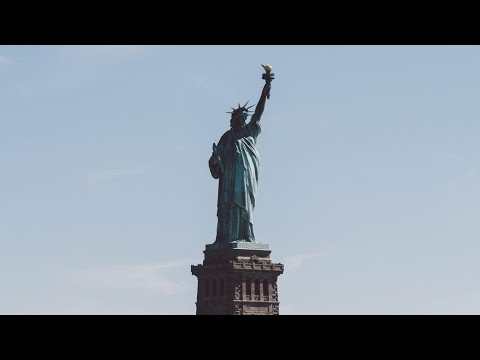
<point x="235" y="163"/>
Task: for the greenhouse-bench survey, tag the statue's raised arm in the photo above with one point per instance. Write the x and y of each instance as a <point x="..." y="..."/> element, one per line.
<point x="268" y="77"/>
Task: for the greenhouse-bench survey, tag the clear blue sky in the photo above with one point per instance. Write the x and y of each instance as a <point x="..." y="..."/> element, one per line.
<point x="369" y="184"/>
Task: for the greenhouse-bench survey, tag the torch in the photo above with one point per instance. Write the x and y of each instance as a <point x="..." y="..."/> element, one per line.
<point x="268" y="76"/>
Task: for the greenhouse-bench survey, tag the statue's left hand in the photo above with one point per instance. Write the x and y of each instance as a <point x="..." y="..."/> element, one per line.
<point x="215" y="158"/>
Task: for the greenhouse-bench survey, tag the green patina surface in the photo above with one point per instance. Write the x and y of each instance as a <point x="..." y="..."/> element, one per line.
<point x="235" y="163"/>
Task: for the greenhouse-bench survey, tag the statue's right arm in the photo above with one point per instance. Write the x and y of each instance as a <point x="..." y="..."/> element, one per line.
<point x="261" y="102"/>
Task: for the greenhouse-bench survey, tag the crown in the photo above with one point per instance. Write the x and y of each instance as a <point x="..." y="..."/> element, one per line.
<point x="241" y="109"/>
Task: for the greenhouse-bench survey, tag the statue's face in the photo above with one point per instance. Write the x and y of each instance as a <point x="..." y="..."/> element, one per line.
<point x="238" y="121"/>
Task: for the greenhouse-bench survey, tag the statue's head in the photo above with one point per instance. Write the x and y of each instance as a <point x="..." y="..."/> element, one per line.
<point x="239" y="116"/>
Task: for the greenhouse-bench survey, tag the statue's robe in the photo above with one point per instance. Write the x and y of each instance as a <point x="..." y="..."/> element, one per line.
<point x="237" y="172"/>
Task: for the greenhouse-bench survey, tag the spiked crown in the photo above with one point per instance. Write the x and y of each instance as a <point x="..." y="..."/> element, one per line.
<point x="241" y="110"/>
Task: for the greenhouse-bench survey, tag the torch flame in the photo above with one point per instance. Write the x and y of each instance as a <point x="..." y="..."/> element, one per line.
<point x="267" y="67"/>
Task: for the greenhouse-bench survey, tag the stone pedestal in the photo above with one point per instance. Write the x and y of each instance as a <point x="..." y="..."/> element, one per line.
<point x="237" y="279"/>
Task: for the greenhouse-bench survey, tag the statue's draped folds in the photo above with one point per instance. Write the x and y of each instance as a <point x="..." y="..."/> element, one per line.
<point x="238" y="177"/>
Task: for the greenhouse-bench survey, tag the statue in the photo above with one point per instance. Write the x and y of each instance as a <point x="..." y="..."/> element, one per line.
<point x="235" y="162"/>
